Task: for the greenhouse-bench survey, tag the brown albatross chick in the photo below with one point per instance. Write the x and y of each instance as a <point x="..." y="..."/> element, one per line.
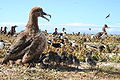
<point x="30" y="43"/>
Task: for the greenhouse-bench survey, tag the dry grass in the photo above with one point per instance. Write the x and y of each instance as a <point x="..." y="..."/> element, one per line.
<point x="103" y="72"/>
<point x="58" y="73"/>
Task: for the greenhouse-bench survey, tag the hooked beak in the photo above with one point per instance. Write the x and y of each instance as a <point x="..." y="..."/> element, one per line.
<point x="46" y="15"/>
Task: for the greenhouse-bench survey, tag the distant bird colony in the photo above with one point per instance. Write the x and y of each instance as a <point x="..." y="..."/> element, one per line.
<point x="31" y="43"/>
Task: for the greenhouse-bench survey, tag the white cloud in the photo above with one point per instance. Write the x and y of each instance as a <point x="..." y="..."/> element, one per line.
<point x="115" y="25"/>
<point x="13" y="23"/>
<point x="71" y="27"/>
<point x="68" y="24"/>
<point x="79" y="24"/>
<point x="21" y="23"/>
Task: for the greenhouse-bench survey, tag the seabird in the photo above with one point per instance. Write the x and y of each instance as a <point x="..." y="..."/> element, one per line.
<point x="107" y="16"/>
<point x="30" y="43"/>
<point x="99" y="47"/>
<point x="12" y="31"/>
<point x="102" y="34"/>
<point x="90" y="60"/>
<point x="4" y="30"/>
<point x="1" y="29"/>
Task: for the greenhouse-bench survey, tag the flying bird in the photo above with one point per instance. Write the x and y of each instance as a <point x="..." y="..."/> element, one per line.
<point x="89" y="28"/>
<point x="107" y="16"/>
<point x="30" y="43"/>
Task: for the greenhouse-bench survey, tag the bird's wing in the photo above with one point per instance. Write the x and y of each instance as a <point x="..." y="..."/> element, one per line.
<point x="20" y="44"/>
<point x="107" y="16"/>
<point x="99" y="34"/>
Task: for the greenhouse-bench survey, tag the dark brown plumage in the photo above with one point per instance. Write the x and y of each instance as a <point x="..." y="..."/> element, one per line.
<point x="12" y="31"/>
<point x="4" y="30"/>
<point x="1" y="29"/>
<point x="30" y="43"/>
<point x="56" y="32"/>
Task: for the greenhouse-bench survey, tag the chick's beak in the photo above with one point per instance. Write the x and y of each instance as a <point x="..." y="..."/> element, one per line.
<point x="46" y="15"/>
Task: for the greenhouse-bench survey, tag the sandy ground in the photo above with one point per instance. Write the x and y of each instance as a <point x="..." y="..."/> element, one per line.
<point x="104" y="71"/>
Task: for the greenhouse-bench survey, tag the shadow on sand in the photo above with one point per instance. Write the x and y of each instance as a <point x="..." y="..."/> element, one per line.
<point x="74" y="69"/>
<point x="65" y="68"/>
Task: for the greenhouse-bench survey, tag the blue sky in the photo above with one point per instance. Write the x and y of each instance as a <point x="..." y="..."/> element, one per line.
<point x="74" y="15"/>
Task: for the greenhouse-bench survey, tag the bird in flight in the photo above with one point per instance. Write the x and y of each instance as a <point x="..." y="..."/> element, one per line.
<point x="89" y="28"/>
<point x="107" y="16"/>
